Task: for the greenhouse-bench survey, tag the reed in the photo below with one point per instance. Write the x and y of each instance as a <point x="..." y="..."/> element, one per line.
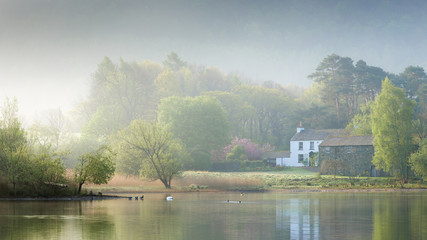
<point x="210" y="181"/>
<point x="219" y="181"/>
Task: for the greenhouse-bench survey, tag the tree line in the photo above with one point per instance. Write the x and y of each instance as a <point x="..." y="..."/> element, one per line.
<point x="155" y="119"/>
<point x="345" y="87"/>
<point x="205" y="109"/>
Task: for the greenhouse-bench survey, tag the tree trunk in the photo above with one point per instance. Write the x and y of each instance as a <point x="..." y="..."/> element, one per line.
<point x="250" y="128"/>
<point x="80" y="188"/>
<point x="14" y="189"/>
<point x="337" y="109"/>
<point x="166" y="183"/>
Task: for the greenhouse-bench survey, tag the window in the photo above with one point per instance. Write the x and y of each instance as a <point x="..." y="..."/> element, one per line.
<point x="311" y="145"/>
<point x="327" y="150"/>
<point x="300" y="158"/>
<point x="301" y="144"/>
<point x="348" y="149"/>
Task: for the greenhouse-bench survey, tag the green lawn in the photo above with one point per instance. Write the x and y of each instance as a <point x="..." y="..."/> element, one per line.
<point x="292" y="178"/>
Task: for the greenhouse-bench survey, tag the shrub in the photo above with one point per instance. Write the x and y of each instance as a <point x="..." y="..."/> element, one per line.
<point x="238" y="153"/>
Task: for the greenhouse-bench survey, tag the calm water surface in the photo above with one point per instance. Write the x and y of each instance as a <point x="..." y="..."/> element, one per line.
<point x="397" y="215"/>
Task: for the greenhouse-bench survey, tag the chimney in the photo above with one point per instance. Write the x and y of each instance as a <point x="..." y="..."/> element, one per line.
<point x="300" y="128"/>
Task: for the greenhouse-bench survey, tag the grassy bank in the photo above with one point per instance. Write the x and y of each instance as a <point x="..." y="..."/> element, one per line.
<point x="292" y="178"/>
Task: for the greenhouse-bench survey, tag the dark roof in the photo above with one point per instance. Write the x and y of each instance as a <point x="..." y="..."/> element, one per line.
<point x="347" y="141"/>
<point x="311" y="134"/>
<point x="281" y="154"/>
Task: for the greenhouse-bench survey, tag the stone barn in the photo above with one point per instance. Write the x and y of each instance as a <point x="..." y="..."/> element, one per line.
<point x="348" y="155"/>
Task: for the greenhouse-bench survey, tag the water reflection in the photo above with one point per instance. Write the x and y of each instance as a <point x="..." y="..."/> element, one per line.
<point x="352" y="216"/>
<point x="210" y="216"/>
<point x="297" y="219"/>
<point x="400" y="218"/>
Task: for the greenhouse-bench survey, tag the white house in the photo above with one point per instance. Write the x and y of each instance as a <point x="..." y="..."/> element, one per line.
<point x="305" y="142"/>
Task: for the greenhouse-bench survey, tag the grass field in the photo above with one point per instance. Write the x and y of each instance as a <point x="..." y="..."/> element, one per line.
<point x="292" y="178"/>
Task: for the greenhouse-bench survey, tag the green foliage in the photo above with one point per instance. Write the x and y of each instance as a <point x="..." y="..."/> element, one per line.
<point x="368" y="80"/>
<point x="119" y="94"/>
<point x="420" y="128"/>
<point x="211" y="79"/>
<point x="128" y="160"/>
<point x="391" y="118"/>
<point x="239" y="112"/>
<point x="313" y="158"/>
<point x="344" y="86"/>
<point x="272" y="118"/>
<point x="160" y="154"/>
<point x="360" y="125"/>
<point x="95" y="167"/>
<point x="335" y="75"/>
<point x="174" y="62"/>
<point x="412" y="78"/>
<point x="31" y="170"/>
<point x="238" y="153"/>
<point x="256" y="165"/>
<point x="200" y="122"/>
<point x="14" y="154"/>
<point x="46" y="175"/>
<point x="104" y="121"/>
<point x="167" y="84"/>
<point x="317" y="115"/>
<point x="418" y="160"/>
<point x="267" y="114"/>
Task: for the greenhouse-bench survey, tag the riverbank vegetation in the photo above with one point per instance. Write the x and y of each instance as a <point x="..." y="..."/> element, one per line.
<point x="290" y="179"/>
<point x="29" y="168"/>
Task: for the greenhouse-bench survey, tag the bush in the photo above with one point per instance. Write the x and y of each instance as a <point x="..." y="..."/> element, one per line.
<point x="194" y="187"/>
<point x="246" y="164"/>
<point x="238" y="153"/>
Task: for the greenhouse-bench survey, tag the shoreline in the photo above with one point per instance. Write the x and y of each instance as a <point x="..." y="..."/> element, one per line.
<point x="110" y="197"/>
<point x="354" y="190"/>
<point x="273" y="190"/>
<point x="65" y="198"/>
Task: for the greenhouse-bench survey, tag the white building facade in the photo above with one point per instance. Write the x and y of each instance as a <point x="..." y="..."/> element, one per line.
<point x="304" y="143"/>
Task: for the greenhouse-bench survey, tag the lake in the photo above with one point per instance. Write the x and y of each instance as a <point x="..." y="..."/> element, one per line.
<point x="272" y="215"/>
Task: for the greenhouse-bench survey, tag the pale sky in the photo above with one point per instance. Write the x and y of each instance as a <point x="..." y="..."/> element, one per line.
<point x="50" y="48"/>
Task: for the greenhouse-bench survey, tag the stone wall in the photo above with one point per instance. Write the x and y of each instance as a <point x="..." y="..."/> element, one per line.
<point x="357" y="160"/>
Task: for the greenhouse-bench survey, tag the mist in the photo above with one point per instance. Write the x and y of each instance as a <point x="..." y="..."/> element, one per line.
<point x="50" y="49"/>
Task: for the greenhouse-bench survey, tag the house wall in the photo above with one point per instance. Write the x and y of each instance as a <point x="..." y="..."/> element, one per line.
<point x="295" y="151"/>
<point x="357" y="162"/>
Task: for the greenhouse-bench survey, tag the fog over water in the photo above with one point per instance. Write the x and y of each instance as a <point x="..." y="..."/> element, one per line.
<point x="50" y="48"/>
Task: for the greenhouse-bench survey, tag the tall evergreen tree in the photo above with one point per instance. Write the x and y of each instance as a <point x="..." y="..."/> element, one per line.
<point x="335" y="75"/>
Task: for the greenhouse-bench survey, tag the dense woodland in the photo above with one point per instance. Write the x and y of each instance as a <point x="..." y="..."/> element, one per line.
<point x="198" y="114"/>
<point x="266" y="113"/>
<point x="207" y="109"/>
